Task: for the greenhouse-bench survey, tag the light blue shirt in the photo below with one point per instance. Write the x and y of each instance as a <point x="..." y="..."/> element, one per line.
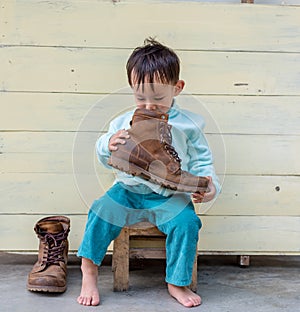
<point x="187" y="139"/>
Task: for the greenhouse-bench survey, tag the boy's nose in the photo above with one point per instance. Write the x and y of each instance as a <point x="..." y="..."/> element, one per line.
<point x="151" y="106"/>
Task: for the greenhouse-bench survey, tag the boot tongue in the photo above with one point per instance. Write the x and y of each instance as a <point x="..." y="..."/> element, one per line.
<point x="51" y="227"/>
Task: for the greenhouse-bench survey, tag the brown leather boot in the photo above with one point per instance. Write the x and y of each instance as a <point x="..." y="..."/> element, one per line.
<point x="148" y="153"/>
<point x="50" y="271"/>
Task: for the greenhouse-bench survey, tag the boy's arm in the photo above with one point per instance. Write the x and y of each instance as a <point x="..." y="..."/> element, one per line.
<point x="103" y="144"/>
<point x="201" y="162"/>
<point x="102" y="150"/>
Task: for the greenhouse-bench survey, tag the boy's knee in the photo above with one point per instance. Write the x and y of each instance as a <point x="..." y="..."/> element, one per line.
<point x="190" y="219"/>
<point x="187" y="221"/>
<point x="193" y="224"/>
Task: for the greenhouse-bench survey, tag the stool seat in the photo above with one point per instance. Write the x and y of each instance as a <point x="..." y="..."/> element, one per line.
<point x="123" y="251"/>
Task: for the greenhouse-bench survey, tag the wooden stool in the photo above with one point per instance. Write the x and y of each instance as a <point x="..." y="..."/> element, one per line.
<point x="123" y="251"/>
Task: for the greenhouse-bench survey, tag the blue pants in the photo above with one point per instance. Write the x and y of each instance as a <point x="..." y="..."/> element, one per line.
<point x="125" y="205"/>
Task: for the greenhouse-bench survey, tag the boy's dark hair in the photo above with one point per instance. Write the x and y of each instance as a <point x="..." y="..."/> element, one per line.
<point x="152" y="61"/>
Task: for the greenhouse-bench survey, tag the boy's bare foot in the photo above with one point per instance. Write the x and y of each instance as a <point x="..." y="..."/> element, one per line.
<point x="184" y="296"/>
<point x="89" y="295"/>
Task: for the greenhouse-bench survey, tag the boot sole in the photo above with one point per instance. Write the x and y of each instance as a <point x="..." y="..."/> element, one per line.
<point x="52" y="289"/>
<point x="134" y="170"/>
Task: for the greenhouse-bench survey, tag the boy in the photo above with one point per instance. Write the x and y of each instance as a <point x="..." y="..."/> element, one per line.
<point x="153" y="74"/>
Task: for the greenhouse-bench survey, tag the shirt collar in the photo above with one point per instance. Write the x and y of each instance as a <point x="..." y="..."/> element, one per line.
<point x="173" y="111"/>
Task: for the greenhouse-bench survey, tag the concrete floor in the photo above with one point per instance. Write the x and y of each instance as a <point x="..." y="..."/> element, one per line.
<point x="270" y="284"/>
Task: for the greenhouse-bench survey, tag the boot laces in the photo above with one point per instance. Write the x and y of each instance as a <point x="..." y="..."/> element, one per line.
<point x="166" y="140"/>
<point x="55" y="244"/>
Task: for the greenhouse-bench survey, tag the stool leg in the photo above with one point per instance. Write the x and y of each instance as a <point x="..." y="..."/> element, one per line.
<point x="244" y="261"/>
<point x="193" y="286"/>
<point x="120" y="261"/>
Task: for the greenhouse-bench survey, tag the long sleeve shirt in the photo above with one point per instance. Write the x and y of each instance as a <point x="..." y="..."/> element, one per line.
<point x="187" y="138"/>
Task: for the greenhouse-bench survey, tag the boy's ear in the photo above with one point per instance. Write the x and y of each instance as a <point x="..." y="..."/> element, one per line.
<point x="179" y="87"/>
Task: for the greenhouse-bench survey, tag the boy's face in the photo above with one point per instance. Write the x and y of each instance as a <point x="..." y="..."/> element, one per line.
<point x="156" y="96"/>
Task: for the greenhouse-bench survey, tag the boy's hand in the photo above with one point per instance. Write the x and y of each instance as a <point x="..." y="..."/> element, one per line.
<point x="207" y="196"/>
<point x="118" y="138"/>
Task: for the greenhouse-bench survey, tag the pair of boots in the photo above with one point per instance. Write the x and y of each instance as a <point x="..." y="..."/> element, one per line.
<point x="149" y="153"/>
<point x="49" y="273"/>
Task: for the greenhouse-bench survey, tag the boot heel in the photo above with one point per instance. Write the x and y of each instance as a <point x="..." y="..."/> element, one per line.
<point x="124" y="165"/>
<point x="118" y="163"/>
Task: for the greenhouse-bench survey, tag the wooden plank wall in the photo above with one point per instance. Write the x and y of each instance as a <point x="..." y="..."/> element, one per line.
<point x="62" y="78"/>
